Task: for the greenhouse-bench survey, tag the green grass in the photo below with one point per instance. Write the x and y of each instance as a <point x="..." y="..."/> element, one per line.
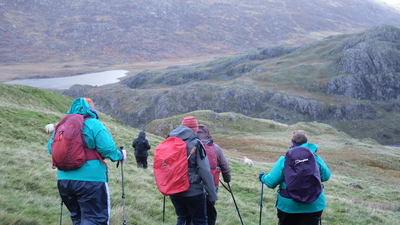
<point x="29" y="192"/>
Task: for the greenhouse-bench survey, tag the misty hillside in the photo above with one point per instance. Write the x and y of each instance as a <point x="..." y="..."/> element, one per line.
<point x="348" y="81"/>
<point x="114" y="31"/>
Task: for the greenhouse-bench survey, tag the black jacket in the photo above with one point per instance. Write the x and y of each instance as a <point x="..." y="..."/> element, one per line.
<point x="141" y="145"/>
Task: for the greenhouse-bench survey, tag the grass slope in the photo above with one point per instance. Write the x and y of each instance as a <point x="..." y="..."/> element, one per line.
<point x="365" y="162"/>
<point x="29" y="192"/>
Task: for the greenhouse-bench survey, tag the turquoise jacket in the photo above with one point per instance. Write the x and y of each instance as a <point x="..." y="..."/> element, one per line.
<point x="277" y="177"/>
<point x="97" y="137"/>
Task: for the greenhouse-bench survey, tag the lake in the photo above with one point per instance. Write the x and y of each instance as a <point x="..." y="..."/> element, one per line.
<point x="93" y="79"/>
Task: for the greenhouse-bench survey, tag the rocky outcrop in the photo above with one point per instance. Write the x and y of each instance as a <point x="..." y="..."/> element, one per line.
<point x="138" y="108"/>
<point x="354" y="92"/>
<point x="369" y="64"/>
<point x="138" y="80"/>
<point x="307" y="106"/>
<point x="384" y="86"/>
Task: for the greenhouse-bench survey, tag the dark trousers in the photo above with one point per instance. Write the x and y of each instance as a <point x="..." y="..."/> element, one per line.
<point x="211" y="213"/>
<point x="190" y="208"/>
<point x="299" y="218"/>
<point x="141" y="162"/>
<point x="88" y="202"/>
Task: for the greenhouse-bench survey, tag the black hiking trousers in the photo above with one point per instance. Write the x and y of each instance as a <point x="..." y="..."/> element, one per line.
<point x="299" y="218"/>
<point x="87" y="201"/>
<point x="141" y="162"/>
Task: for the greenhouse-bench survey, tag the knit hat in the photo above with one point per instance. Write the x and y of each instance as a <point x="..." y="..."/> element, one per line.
<point x="191" y="122"/>
<point x="91" y="103"/>
<point x="299" y="137"/>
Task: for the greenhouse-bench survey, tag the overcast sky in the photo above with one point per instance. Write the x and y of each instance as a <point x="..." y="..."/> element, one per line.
<point x="391" y="1"/>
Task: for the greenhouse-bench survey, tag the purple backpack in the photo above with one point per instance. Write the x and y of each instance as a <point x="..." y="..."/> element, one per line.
<point x="302" y="177"/>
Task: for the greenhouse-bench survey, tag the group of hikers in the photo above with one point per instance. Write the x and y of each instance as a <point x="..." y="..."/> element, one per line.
<point x="80" y="143"/>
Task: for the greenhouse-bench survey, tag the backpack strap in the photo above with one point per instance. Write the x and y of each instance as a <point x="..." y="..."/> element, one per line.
<point x="202" y="150"/>
<point x="90" y="152"/>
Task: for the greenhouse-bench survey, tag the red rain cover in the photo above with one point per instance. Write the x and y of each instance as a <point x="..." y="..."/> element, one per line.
<point x="171" y="166"/>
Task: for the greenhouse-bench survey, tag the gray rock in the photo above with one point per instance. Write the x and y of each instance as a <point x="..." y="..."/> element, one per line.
<point x="355" y="185"/>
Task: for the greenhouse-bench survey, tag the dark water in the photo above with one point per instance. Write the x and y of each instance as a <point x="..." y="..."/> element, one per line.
<point x="99" y="79"/>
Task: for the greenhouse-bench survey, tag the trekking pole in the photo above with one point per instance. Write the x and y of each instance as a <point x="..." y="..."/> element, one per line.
<point x="261" y="206"/>
<point x="163" y="211"/>
<point x="235" y="203"/>
<point x="123" y="191"/>
<point x="224" y="186"/>
<point x="61" y="212"/>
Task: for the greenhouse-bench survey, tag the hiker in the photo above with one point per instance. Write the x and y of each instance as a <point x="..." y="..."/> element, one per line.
<point x="222" y="165"/>
<point x="141" y="146"/>
<point x="190" y="205"/>
<point x="85" y="190"/>
<point x="290" y="211"/>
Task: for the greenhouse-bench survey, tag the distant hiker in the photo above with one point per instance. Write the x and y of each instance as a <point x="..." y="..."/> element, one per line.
<point x="218" y="163"/>
<point x="190" y="205"/>
<point x="304" y="203"/>
<point x="84" y="189"/>
<point x="141" y="146"/>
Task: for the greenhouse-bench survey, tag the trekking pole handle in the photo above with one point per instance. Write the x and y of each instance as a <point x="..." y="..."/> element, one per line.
<point x="224" y="186"/>
<point x="192" y="151"/>
<point x="120" y="149"/>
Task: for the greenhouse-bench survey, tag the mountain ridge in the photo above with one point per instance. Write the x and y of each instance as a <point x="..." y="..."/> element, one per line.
<point x="321" y="81"/>
<point x="111" y="31"/>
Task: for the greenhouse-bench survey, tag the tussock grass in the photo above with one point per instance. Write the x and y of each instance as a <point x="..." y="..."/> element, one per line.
<point x="29" y="192"/>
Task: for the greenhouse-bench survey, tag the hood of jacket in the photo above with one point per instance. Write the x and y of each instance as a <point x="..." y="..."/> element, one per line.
<point x="142" y="136"/>
<point x="310" y="146"/>
<point x="204" y="134"/>
<point x="80" y="106"/>
<point x="184" y="133"/>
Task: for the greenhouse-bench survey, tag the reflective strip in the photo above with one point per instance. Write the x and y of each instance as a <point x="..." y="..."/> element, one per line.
<point x="108" y="203"/>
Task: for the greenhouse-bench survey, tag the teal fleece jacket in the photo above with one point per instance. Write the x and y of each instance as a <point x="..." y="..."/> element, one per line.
<point x="97" y="137"/>
<point x="277" y="177"/>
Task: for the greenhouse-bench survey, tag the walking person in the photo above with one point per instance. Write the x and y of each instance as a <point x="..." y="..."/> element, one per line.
<point x="221" y="166"/>
<point x="304" y="207"/>
<point x="190" y="205"/>
<point x="141" y="146"/>
<point x="84" y="190"/>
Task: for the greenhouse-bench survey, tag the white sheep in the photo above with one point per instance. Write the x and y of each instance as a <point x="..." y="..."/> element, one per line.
<point x="50" y="127"/>
<point x="248" y="161"/>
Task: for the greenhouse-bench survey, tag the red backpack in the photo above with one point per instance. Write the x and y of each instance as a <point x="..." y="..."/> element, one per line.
<point x="68" y="150"/>
<point x="213" y="160"/>
<point x="171" y="166"/>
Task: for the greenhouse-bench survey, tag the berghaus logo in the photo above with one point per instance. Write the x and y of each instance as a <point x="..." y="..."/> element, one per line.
<point x="300" y="161"/>
<point x="164" y="165"/>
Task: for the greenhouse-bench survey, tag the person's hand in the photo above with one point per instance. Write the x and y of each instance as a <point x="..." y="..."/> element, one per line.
<point x="124" y="159"/>
<point x="261" y="175"/>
